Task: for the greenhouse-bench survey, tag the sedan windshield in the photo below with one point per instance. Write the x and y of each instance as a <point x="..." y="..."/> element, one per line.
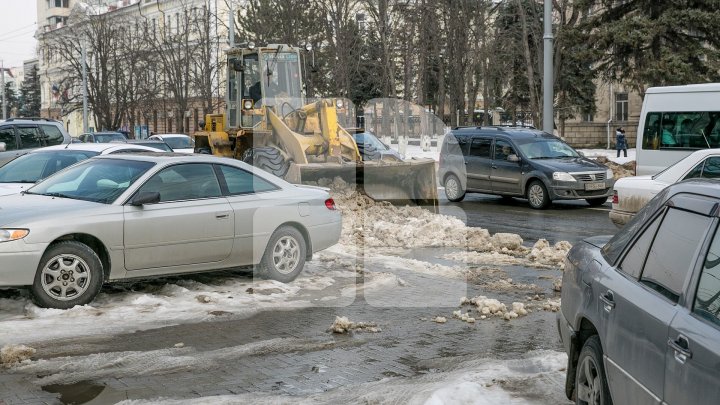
<point x="179" y="142"/>
<point x="99" y="180"/>
<point x="546" y="149"/>
<point x="35" y="166"/>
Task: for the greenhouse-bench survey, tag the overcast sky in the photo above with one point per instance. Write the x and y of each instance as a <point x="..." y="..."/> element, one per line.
<point x="18" y="22"/>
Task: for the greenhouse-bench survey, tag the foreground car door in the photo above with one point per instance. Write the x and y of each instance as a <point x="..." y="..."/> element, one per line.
<point x="638" y="302"/>
<point x="693" y="345"/>
<point x="192" y="224"/>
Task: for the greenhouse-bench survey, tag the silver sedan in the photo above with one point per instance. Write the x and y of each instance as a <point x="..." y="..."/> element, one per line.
<point x="116" y="217"/>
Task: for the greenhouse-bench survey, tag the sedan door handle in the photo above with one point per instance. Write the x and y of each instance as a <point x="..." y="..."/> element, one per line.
<point x="494" y="167"/>
<point x="608" y="300"/>
<point x="681" y="348"/>
<point x="222" y="215"/>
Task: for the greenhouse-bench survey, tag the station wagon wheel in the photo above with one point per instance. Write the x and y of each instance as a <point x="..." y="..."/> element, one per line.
<point x="537" y="195"/>
<point x="284" y="257"/>
<point x="69" y="274"/>
<point x="591" y="386"/>
<point x="453" y="189"/>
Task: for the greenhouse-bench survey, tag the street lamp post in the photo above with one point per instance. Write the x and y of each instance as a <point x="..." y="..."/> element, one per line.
<point x="2" y="84"/>
<point x="548" y="95"/>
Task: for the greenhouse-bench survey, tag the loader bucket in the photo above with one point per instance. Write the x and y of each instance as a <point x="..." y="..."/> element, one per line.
<point x="399" y="182"/>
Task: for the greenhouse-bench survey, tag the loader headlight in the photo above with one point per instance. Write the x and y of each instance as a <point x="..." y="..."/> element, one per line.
<point x="339" y="103"/>
<point x="7" y="235"/>
<point x="247" y="105"/>
<point x="563" y="176"/>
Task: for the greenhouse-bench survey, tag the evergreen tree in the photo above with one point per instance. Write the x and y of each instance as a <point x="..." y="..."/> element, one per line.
<point x="644" y="43"/>
<point x="11" y="99"/>
<point x="29" y="103"/>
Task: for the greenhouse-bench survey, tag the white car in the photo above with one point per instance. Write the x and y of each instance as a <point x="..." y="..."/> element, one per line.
<point x="180" y="143"/>
<point x="24" y="171"/>
<point x="632" y="193"/>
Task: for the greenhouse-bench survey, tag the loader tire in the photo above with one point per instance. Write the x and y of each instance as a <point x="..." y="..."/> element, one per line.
<point x="268" y="159"/>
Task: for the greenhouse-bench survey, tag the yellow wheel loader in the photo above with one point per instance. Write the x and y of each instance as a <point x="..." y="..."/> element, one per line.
<point x="270" y="124"/>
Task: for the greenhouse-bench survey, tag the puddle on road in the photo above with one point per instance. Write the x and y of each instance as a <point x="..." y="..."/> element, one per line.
<point x="85" y="392"/>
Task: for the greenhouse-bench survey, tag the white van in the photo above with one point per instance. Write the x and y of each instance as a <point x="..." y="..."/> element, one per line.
<point x="676" y="121"/>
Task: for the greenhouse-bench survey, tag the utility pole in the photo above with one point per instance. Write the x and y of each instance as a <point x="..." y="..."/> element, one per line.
<point x="2" y="84"/>
<point x="548" y="96"/>
<point x="84" y="86"/>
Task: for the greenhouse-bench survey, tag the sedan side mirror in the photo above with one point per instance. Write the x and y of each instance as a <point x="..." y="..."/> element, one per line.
<point x="3" y="147"/>
<point x="513" y="158"/>
<point x="146" y="197"/>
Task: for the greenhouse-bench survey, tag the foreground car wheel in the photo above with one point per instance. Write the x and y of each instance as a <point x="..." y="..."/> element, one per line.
<point x="69" y="274"/>
<point x="596" y="202"/>
<point x="591" y="386"/>
<point x="453" y="190"/>
<point x="537" y="195"/>
<point x="284" y="256"/>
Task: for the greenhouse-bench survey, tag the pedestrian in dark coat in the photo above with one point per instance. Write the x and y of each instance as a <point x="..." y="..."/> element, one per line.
<point x="620" y="141"/>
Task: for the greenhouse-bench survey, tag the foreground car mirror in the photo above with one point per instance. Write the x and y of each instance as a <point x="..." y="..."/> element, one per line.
<point x="146" y="197"/>
<point x="513" y="158"/>
<point x="2" y="147"/>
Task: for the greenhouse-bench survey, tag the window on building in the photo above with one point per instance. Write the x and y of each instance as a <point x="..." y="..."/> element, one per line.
<point x="588" y="117"/>
<point x="360" y="18"/>
<point x="621" y="106"/>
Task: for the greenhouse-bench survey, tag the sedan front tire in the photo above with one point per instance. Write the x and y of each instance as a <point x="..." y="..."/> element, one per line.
<point x="69" y="274"/>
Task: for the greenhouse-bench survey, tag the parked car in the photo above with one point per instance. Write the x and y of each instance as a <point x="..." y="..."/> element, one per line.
<point x="180" y="143"/>
<point x="114" y="217"/>
<point x="640" y="312"/>
<point x="152" y="143"/>
<point x="102" y="137"/>
<point x="371" y="148"/>
<point x="519" y="162"/>
<point x="632" y="193"/>
<point x="24" y="171"/>
<point x="21" y="135"/>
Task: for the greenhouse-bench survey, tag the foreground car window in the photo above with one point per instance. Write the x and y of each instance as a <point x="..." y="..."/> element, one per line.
<point x="632" y="264"/>
<point x="101" y="180"/>
<point x="707" y="299"/>
<point x="35" y="166"/>
<point x="672" y="252"/>
<point x="184" y="182"/>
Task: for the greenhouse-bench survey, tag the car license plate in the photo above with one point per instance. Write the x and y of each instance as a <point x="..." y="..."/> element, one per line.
<point x="595" y="186"/>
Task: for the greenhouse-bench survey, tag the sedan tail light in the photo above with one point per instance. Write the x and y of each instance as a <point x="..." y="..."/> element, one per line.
<point x="330" y="204"/>
<point x="615" y="197"/>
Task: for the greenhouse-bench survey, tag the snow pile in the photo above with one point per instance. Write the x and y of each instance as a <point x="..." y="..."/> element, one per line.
<point x="13" y="354"/>
<point x="551" y="305"/>
<point x="439" y="319"/>
<point x="463" y="317"/>
<point x="343" y="325"/>
<point x="507" y="285"/>
<point x="490" y="307"/>
<point x="557" y="285"/>
<point x="619" y="170"/>
<point x="543" y="253"/>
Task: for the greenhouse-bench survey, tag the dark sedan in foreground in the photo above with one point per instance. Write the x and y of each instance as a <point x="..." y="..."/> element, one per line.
<point x="640" y="315"/>
<point x="116" y="217"/>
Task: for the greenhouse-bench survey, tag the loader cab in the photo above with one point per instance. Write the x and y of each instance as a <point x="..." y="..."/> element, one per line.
<point x="267" y="76"/>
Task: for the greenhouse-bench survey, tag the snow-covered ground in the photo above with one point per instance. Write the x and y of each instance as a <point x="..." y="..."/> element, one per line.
<point x="536" y="379"/>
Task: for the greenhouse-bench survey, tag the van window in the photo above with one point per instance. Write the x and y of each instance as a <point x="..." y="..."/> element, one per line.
<point x="682" y="130"/>
<point x="481" y="147"/>
<point x="53" y="136"/>
<point x="7" y="135"/>
<point x="29" y="136"/>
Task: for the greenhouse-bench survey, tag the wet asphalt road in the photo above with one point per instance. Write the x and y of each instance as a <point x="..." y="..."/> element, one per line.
<point x="572" y="221"/>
